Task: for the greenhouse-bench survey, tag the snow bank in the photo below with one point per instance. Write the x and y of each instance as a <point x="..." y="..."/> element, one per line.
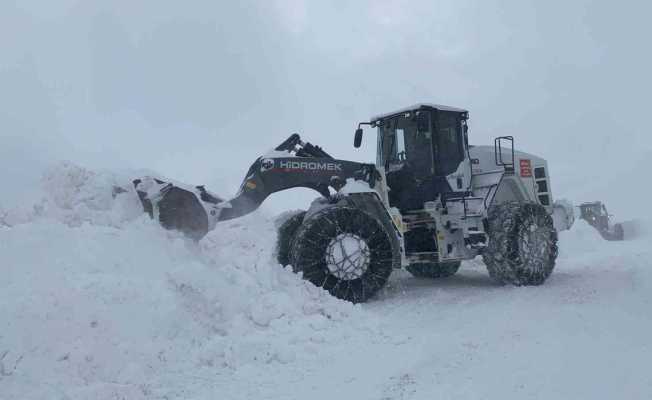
<point x="74" y="195"/>
<point x="98" y="302"/>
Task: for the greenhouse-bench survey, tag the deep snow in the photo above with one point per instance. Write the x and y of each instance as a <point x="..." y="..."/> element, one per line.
<point x="98" y="302"/>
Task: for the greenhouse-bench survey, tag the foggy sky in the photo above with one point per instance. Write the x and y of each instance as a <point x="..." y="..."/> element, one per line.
<point x="197" y="90"/>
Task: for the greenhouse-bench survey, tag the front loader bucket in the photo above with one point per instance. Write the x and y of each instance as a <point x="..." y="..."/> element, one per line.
<point x="627" y="230"/>
<point x="631" y="229"/>
<point x="615" y="233"/>
<point x="595" y="213"/>
<point x="177" y="208"/>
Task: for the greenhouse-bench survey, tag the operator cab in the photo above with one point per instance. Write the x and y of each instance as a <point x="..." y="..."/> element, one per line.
<point x="421" y="150"/>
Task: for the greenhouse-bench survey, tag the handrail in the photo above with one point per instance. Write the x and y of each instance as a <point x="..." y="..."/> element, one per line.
<point x="498" y="153"/>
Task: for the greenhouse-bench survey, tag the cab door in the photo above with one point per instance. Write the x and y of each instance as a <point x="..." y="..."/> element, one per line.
<point x="450" y="149"/>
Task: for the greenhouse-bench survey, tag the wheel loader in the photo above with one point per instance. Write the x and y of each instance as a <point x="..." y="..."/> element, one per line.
<point x="428" y="202"/>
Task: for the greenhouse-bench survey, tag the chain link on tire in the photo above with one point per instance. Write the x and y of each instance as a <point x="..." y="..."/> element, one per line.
<point x="285" y="235"/>
<point x="356" y="273"/>
<point x="522" y="245"/>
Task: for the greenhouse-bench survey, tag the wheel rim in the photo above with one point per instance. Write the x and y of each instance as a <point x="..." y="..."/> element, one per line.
<point x="347" y="256"/>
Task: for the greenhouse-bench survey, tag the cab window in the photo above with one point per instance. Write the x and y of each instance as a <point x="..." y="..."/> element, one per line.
<point x="448" y="146"/>
<point x="405" y="142"/>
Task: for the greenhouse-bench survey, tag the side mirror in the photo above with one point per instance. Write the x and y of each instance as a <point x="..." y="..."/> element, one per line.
<point x="357" y="140"/>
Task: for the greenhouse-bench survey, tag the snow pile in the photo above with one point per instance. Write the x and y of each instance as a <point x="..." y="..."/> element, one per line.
<point x="98" y="302"/>
<point x="74" y="195"/>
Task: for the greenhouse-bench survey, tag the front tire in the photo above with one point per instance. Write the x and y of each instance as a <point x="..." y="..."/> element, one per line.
<point x="286" y="231"/>
<point x="345" y="251"/>
<point x="522" y="245"/>
<point x="434" y="270"/>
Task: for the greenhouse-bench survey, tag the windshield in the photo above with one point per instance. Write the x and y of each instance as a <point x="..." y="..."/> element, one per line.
<point x="406" y="141"/>
<point x="430" y="143"/>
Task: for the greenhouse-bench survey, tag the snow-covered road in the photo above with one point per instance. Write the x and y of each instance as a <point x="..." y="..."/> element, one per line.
<point x="585" y="334"/>
<point x="96" y="303"/>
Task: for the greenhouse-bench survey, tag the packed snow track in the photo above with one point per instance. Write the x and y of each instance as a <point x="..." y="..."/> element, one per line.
<point x="98" y="302"/>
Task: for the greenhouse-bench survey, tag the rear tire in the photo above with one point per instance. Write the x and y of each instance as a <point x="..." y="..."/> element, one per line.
<point x="434" y="270"/>
<point x="286" y="231"/>
<point x="345" y="251"/>
<point x="522" y="245"/>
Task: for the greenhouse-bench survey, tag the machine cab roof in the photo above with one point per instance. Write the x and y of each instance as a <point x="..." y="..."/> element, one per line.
<point x="419" y="107"/>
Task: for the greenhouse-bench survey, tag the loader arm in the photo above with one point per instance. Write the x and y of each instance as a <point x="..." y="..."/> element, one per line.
<point x="268" y="175"/>
<point x="195" y="211"/>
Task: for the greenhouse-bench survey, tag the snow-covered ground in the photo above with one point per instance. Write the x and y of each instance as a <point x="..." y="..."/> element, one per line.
<point x="98" y="302"/>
